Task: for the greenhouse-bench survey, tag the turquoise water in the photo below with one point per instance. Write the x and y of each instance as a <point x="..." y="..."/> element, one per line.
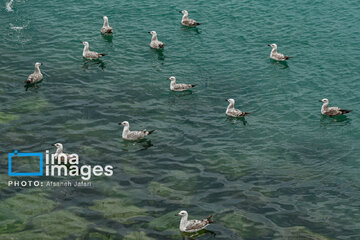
<point x="285" y="172"/>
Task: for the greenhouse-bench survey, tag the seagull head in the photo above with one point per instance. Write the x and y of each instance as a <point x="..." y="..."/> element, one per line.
<point x="230" y="100"/>
<point x="152" y="33"/>
<point x="184" y="12"/>
<point x="325" y="100"/>
<point x="38" y="64"/>
<point x="182" y="213"/>
<point x="124" y="123"/>
<point x="172" y="78"/>
<point x="105" y="18"/>
<point x="273" y="45"/>
<point x="85" y="43"/>
<point x="58" y="145"/>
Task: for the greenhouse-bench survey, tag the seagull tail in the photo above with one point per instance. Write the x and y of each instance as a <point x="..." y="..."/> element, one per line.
<point x="209" y="219"/>
<point x="287" y="57"/>
<point x="344" y="111"/>
<point x="102" y="54"/>
<point x="193" y="85"/>
<point x="198" y="23"/>
<point x="150" y="132"/>
<point x="246" y="113"/>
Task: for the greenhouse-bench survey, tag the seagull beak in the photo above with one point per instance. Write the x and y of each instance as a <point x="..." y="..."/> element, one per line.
<point x="226" y="100"/>
<point x="269" y="45"/>
<point x="177" y="214"/>
<point x="320" y="100"/>
<point x="180" y="11"/>
<point x="149" y="32"/>
<point x="41" y="64"/>
<point x="52" y="144"/>
<point x="119" y="123"/>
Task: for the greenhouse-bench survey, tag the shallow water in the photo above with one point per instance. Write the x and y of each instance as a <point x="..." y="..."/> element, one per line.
<point x="285" y="172"/>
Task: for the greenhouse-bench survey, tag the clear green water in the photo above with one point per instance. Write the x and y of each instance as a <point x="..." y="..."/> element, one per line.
<point x="285" y="173"/>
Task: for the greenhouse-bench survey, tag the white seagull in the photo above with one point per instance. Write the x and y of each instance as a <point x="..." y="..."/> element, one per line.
<point x="106" y="29"/>
<point x="275" y="55"/>
<point x="36" y="76"/>
<point x="186" y="21"/>
<point x="8" y="6"/>
<point x="232" y="111"/>
<point x="133" y="135"/>
<point x="331" y="111"/>
<point x="155" y="43"/>
<point x="89" y="54"/>
<point x="178" y="87"/>
<point x="59" y="150"/>
<point x="190" y="226"/>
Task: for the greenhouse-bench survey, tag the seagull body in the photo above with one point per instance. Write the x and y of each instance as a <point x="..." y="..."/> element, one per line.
<point x="59" y="153"/>
<point x="36" y="76"/>
<point x="106" y="29"/>
<point x="331" y="111"/>
<point x="186" y="21"/>
<point x="190" y="226"/>
<point x="275" y="55"/>
<point x="8" y="6"/>
<point x="155" y="43"/>
<point x="89" y="54"/>
<point x="232" y="111"/>
<point x="178" y="87"/>
<point x="133" y="135"/>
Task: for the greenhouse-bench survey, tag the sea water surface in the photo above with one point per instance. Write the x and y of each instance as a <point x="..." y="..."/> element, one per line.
<point x="285" y="172"/>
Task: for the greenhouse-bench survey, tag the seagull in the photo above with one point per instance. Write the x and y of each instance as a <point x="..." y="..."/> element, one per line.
<point x="233" y="112"/>
<point x="133" y="135"/>
<point x="106" y="29"/>
<point x="8" y="6"/>
<point x="331" y="111"/>
<point x="178" y="87"/>
<point x="187" y="21"/>
<point x="190" y="226"/>
<point x="275" y="55"/>
<point x="155" y="43"/>
<point x="36" y="76"/>
<point x="59" y="151"/>
<point x="89" y="54"/>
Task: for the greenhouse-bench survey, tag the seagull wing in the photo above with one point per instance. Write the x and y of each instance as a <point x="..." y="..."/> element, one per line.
<point x="196" y="225"/>
<point x="136" y="135"/>
<point x="181" y="86"/>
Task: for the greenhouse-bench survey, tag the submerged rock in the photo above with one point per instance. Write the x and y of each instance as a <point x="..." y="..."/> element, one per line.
<point x="137" y="236"/>
<point x="118" y="209"/>
<point x="6" y="118"/>
<point x="244" y="226"/>
<point x="22" y="207"/>
<point x="301" y="233"/>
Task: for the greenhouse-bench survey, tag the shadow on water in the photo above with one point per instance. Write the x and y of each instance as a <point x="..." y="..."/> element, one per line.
<point x="181" y="94"/>
<point x="192" y="236"/>
<point x="107" y="37"/>
<point x="32" y="86"/>
<point x="281" y="64"/>
<point x="190" y="29"/>
<point x="87" y="63"/>
<point x="236" y="120"/>
<point x="138" y="145"/>
<point x="159" y="53"/>
<point x="341" y="120"/>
